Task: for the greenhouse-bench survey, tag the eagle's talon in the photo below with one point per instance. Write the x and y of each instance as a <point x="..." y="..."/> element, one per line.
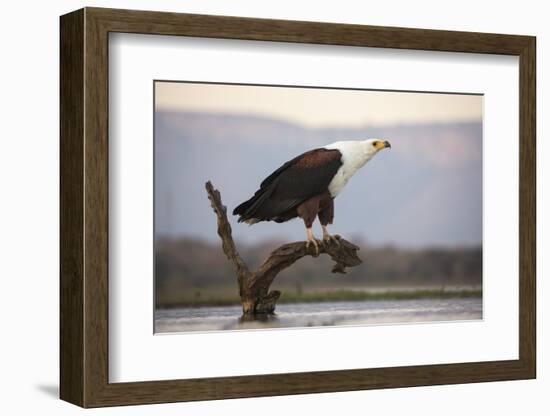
<point x="329" y="239"/>
<point x="315" y="244"/>
<point x="333" y="240"/>
<point x="312" y="240"/>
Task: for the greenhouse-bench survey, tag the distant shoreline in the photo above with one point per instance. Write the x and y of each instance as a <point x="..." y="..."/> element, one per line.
<point x="333" y="296"/>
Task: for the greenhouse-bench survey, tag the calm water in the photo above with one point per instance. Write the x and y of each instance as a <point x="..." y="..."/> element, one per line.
<point x="321" y="314"/>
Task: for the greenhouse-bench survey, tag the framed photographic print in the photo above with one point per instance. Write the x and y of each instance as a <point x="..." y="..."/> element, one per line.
<point x="255" y="207"/>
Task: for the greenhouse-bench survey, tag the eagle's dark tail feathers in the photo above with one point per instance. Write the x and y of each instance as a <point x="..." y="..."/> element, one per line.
<point x="249" y="211"/>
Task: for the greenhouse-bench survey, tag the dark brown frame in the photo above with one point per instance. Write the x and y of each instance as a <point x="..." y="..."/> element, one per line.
<point x="84" y="209"/>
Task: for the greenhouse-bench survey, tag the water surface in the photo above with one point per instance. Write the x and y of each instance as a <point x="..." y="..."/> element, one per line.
<point x="217" y="318"/>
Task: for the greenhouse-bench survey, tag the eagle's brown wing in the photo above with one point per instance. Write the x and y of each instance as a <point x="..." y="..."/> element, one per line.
<point x="294" y="182"/>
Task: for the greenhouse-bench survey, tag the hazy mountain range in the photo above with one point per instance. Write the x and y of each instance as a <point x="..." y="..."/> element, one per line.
<point x="425" y="191"/>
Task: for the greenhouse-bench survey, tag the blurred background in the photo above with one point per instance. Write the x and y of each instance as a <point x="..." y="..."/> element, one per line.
<point x="415" y="210"/>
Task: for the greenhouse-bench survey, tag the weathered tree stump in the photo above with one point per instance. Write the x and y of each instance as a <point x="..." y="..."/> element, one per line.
<point x="256" y="298"/>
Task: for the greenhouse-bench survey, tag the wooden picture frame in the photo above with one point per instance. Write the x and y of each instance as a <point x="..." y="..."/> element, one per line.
<point x="84" y="207"/>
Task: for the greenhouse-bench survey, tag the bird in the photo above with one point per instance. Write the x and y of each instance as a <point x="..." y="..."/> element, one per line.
<point x="306" y="186"/>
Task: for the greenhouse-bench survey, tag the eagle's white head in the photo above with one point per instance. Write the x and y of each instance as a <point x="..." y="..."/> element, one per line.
<point x="373" y="146"/>
<point x="358" y="153"/>
<point x="355" y="153"/>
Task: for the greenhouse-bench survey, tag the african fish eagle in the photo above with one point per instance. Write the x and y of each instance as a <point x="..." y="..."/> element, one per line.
<point x="306" y="186"/>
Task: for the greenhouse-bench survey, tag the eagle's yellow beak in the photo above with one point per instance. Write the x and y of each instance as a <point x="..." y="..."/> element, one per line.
<point x="381" y="144"/>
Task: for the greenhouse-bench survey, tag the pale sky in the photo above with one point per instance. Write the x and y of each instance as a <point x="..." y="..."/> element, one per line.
<point x="313" y="107"/>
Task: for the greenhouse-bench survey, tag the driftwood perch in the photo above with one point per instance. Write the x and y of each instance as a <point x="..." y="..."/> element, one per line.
<point x="254" y="286"/>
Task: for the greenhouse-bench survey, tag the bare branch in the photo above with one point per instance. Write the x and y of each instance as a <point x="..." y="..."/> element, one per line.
<point x="343" y="253"/>
<point x="225" y="233"/>
<point x="254" y="286"/>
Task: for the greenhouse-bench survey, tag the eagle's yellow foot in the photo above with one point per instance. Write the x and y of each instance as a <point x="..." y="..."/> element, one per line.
<point x="329" y="238"/>
<point x="311" y="240"/>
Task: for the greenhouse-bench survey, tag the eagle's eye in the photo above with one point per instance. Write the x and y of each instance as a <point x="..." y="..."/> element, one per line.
<point x="374" y="144"/>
